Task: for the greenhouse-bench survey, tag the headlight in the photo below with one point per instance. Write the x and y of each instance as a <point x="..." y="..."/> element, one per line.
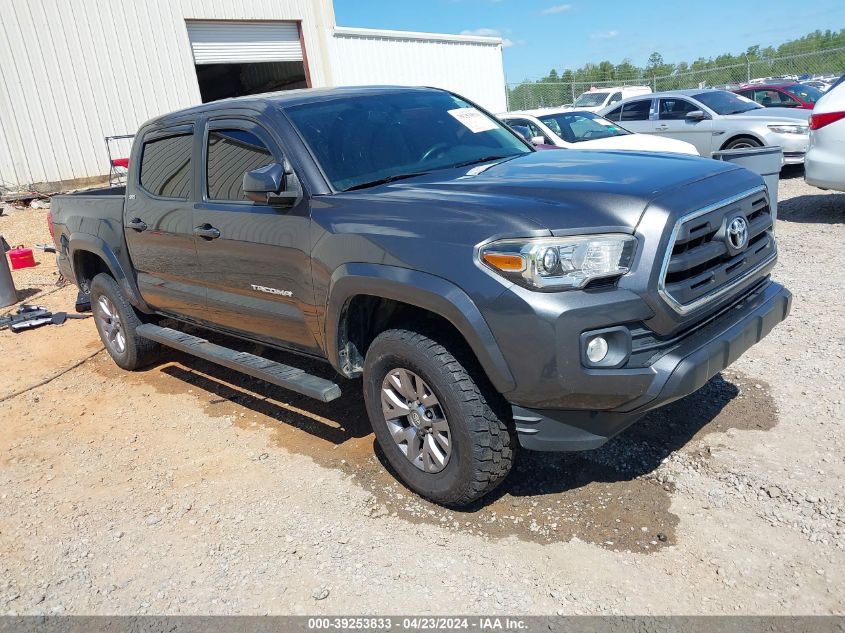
<point x="781" y="128"/>
<point x="560" y="263"/>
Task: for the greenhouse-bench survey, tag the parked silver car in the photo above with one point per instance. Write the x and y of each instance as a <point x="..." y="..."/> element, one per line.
<point x="714" y="120"/>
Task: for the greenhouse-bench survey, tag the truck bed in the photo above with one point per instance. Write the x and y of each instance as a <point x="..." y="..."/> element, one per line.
<point x="95" y="213"/>
<point x="85" y="210"/>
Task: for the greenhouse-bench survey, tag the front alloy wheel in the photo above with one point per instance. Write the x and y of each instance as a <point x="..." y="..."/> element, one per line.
<point x="416" y="421"/>
<point x="441" y="426"/>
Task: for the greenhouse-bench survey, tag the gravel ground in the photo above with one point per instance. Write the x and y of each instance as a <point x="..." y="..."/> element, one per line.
<point x="189" y="489"/>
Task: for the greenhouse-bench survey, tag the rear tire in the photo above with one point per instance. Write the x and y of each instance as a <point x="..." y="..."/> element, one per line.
<point x="467" y="449"/>
<point x="742" y="142"/>
<point x="116" y="321"/>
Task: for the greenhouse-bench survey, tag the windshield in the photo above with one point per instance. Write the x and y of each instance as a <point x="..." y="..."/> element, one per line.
<point x="590" y="99"/>
<point x="366" y="140"/>
<point x="804" y="93"/>
<point x="723" y="102"/>
<point x="574" y="127"/>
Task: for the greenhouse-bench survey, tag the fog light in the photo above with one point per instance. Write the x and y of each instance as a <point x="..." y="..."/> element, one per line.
<point x="596" y="349"/>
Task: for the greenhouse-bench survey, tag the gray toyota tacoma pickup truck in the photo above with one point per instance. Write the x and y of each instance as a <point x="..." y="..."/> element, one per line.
<point x="489" y="296"/>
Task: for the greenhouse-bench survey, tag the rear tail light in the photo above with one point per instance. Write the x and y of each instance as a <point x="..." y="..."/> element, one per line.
<point x="818" y="121"/>
<point x="50" y="225"/>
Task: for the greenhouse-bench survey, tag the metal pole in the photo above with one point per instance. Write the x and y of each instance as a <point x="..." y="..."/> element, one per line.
<point x="8" y="294"/>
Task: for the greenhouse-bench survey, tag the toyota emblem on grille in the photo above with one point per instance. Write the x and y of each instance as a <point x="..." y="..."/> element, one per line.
<point x="737" y="233"/>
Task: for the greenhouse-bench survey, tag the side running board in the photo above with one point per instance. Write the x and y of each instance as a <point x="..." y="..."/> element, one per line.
<point x="282" y="375"/>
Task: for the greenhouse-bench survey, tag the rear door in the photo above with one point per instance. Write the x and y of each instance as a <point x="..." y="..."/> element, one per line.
<point x="158" y="223"/>
<point x="255" y="258"/>
<point x="672" y="121"/>
<point x="636" y="116"/>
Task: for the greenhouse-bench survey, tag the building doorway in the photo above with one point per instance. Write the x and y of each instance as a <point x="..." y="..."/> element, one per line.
<point x="221" y="81"/>
<point x="235" y="58"/>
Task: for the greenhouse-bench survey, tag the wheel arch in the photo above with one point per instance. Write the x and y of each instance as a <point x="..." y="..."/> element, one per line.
<point x="747" y="135"/>
<point x="90" y="255"/>
<point x="353" y="285"/>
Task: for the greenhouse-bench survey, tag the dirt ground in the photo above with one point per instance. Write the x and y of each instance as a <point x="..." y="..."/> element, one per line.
<point x="188" y="489"/>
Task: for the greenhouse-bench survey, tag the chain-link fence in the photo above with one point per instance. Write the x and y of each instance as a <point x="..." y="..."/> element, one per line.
<point x="528" y="95"/>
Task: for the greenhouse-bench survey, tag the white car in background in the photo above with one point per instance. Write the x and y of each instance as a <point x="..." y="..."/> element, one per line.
<point x="715" y="120"/>
<point x="824" y="165"/>
<point x="577" y="129"/>
<point x="597" y="98"/>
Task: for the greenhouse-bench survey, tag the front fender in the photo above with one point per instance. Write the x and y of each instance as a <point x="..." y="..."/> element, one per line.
<point x="85" y="242"/>
<point x="425" y="291"/>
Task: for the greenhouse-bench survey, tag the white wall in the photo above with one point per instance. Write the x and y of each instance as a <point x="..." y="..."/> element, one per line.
<point x="74" y="71"/>
<point x="469" y="66"/>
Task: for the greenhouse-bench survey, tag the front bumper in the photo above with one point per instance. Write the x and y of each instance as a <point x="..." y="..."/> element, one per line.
<point x="794" y="146"/>
<point x="793" y="158"/>
<point x="678" y="373"/>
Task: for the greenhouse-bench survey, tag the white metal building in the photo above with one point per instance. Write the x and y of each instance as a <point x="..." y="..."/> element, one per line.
<point x="75" y="71"/>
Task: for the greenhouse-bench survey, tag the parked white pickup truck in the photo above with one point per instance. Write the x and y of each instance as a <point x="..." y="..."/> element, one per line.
<point x="597" y="98"/>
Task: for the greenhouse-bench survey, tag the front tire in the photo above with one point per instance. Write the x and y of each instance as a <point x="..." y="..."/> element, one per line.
<point x="443" y="429"/>
<point x="116" y="321"/>
<point x="743" y="142"/>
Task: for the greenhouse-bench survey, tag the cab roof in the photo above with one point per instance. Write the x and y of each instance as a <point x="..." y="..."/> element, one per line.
<point x="283" y="99"/>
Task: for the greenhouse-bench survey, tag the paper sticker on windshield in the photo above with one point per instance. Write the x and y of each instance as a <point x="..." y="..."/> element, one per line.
<point x="473" y="119"/>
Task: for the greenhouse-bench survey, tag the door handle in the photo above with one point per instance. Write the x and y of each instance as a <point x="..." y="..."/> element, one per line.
<point x="663" y="127"/>
<point x="207" y="232"/>
<point x="137" y="224"/>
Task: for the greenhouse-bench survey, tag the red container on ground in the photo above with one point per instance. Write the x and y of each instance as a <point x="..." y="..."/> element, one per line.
<point x="21" y="258"/>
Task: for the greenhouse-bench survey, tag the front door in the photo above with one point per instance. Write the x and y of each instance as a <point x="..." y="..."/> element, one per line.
<point x="673" y="122"/>
<point x="255" y="258"/>
<point x="158" y="223"/>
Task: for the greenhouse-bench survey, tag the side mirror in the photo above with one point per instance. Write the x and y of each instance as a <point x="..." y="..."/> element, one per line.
<point x="538" y="140"/>
<point x="697" y="115"/>
<point x="266" y="185"/>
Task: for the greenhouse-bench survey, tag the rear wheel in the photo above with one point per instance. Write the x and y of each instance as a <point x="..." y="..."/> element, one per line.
<point x="441" y="427"/>
<point x="116" y="321"/>
<point x="742" y="142"/>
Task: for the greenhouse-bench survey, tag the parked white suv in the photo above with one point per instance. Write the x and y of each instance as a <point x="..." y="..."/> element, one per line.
<point x="597" y="98"/>
<point x="714" y="120"/>
<point x="824" y="165"/>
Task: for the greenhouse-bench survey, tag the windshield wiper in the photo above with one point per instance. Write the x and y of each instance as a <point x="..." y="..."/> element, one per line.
<point x="483" y="159"/>
<point x="384" y="181"/>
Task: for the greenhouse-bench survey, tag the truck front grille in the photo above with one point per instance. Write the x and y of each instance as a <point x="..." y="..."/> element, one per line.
<point x="703" y="262"/>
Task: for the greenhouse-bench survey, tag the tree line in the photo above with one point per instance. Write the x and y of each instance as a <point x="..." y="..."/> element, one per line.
<point x="807" y="55"/>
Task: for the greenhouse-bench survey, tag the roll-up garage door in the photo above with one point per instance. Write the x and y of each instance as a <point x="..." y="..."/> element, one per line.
<point x="221" y="42"/>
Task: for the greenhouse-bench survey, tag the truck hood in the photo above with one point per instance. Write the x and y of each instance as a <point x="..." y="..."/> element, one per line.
<point x="559" y="190"/>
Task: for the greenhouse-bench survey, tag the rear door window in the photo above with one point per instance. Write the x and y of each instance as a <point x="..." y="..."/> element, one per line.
<point x="231" y="153"/>
<point x="166" y="166"/>
<point x="614" y="115"/>
<point x="774" y="98"/>
<point x="636" y="110"/>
